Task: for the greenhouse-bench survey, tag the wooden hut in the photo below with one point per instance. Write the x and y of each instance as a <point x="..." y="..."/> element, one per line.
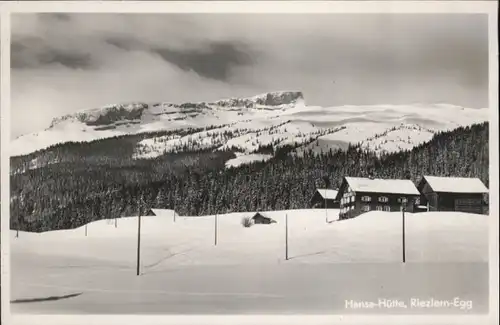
<point x="454" y="194"/>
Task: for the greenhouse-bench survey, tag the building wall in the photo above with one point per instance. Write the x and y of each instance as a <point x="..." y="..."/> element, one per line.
<point x="430" y="197"/>
<point x="359" y="206"/>
<point x="463" y="202"/>
<point x="347" y="205"/>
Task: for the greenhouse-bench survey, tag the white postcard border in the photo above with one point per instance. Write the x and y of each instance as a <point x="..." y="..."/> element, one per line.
<point x="487" y="7"/>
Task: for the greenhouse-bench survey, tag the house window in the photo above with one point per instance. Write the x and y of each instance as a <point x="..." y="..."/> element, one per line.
<point x="383" y="199"/>
<point x="417" y="200"/>
<point x="352" y="199"/>
<point x="366" y="198"/>
<point x="365" y="208"/>
<point x="387" y="208"/>
<point x="379" y="208"/>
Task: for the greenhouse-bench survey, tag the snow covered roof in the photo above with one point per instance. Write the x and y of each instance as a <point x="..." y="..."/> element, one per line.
<point x="377" y="185"/>
<point x="327" y="194"/>
<point x="163" y="212"/>
<point x="263" y="214"/>
<point x="456" y="184"/>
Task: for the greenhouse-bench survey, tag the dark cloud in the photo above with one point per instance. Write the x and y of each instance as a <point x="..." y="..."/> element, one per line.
<point x="125" y="43"/>
<point x="335" y="59"/>
<point x="34" y="52"/>
<point x="214" y="62"/>
<point x="69" y="60"/>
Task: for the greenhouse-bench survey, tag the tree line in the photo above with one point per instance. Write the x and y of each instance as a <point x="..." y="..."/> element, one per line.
<point x="106" y="183"/>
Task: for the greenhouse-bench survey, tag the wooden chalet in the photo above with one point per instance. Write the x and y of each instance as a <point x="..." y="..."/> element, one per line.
<point x="359" y="195"/>
<point x="325" y="196"/>
<point x="454" y="194"/>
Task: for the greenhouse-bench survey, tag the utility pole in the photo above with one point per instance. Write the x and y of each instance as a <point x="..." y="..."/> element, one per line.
<point x="138" y="243"/>
<point x="17" y="227"/>
<point x="215" y="226"/>
<point x="212" y="190"/>
<point x="173" y="210"/>
<point x="326" y="211"/>
<point x="403" y="232"/>
<point x="286" y="237"/>
<point x="139" y="239"/>
<point x="327" y="184"/>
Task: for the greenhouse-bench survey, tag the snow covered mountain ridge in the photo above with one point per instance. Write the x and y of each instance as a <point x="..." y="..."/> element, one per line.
<point x="115" y="113"/>
<point x="272" y="99"/>
<point x="252" y="125"/>
<point x="105" y="115"/>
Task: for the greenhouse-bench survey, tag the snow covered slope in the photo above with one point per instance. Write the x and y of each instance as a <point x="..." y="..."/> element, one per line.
<point x="371" y="237"/>
<point x="182" y="271"/>
<point x="275" y="119"/>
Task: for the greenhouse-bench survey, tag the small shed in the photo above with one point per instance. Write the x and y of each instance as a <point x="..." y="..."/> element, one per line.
<point x="324" y="196"/>
<point x="459" y="194"/>
<point x="260" y="218"/>
<point x="160" y="212"/>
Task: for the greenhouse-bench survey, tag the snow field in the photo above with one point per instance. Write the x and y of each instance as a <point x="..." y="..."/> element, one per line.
<point x="371" y="237"/>
<point x="183" y="272"/>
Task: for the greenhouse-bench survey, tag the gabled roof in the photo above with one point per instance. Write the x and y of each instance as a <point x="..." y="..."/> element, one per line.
<point x="327" y="194"/>
<point x="261" y="214"/>
<point x="162" y="212"/>
<point x="377" y="185"/>
<point x="456" y="184"/>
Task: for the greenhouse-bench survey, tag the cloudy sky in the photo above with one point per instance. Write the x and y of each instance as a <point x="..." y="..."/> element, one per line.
<point x="64" y="63"/>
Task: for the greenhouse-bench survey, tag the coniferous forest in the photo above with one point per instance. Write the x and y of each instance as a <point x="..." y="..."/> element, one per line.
<point x="90" y="181"/>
